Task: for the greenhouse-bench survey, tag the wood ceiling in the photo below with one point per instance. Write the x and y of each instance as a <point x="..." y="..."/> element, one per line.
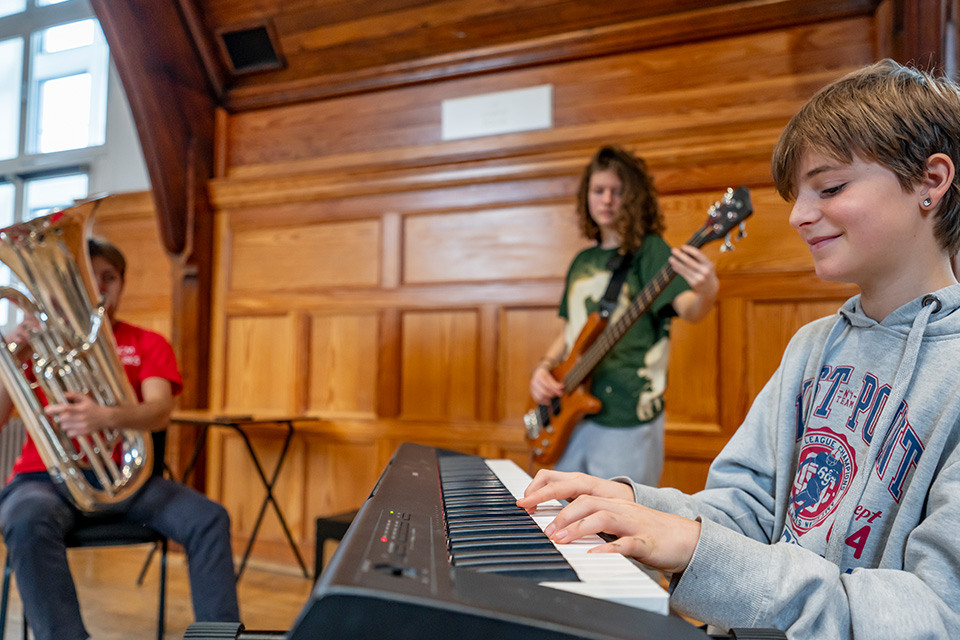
<point x="333" y="47"/>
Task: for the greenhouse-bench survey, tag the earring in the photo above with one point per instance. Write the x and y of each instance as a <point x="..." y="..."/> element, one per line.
<point x="927" y="202"/>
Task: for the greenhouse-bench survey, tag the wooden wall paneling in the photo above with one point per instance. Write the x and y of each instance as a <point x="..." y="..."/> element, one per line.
<point x="692" y="399"/>
<point x="343" y="365"/>
<point x="685" y="474"/>
<point x="391" y="250"/>
<point x="433" y="269"/>
<point x="470" y="39"/>
<point x="716" y="85"/>
<point x="488" y="374"/>
<point x="389" y="362"/>
<point x="923" y="32"/>
<point x="223" y="263"/>
<point x="129" y="221"/>
<point x="439" y="368"/>
<point x="260" y="364"/>
<point x="735" y="335"/>
<point x="525" y="335"/>
<point x="302" y="358"/>
<point x="774" y="323"/>
<point x="268" y="259"/>
<point x="511" y="243"/>
<point x="342" y="473"/>
<point x="237" y="487"/>
<point x="771" y="245"/>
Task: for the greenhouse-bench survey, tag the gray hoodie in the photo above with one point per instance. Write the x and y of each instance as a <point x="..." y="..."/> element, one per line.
<point x="834" y="511"/>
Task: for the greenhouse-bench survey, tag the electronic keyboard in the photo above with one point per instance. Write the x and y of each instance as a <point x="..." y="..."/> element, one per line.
<point x="440" y="550"/>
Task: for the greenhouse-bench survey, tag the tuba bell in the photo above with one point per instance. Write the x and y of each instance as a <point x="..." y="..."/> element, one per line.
<point x="73" y="351"/>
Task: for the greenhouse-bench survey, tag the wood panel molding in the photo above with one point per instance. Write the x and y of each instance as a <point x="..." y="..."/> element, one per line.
<point x="662" y="30"/>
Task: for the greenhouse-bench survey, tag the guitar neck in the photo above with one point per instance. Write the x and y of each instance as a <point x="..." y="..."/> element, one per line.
<point x="612" y="334"/>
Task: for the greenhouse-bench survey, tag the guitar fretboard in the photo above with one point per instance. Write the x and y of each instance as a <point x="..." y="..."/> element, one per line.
<point x="612" y="334"/>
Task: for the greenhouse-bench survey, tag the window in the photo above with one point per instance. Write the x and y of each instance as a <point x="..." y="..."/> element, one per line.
<point x="54" y="93"/>
<point x="67" y="104"/>
<point x="6" y="219"/>
<point x="45" y="194"/>
<point x="11" y="76"/>
<point x="6" y="204"/>
<point x="11" y="7"/>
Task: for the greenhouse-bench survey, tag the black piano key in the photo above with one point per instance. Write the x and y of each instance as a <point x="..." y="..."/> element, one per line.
<point x="493" y="553"/>
<point x="528" y="545"/>
<point x="488" y="562"/>
<point x="494" y="526"/>
<point x="486" y="531"/>
<point x="539" y="573"/>
<point x="503" y="536"/>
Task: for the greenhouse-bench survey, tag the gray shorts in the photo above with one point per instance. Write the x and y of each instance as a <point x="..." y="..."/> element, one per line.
<point x="606" y="452"/>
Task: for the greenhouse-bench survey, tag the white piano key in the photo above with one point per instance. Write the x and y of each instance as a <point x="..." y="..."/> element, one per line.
<point x="607" y="576"/>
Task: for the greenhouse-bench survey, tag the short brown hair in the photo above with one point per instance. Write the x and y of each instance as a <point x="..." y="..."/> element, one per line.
<point x="886" y="113"/>
<point x="108" y="251"/>
<point x="640" y="210"/>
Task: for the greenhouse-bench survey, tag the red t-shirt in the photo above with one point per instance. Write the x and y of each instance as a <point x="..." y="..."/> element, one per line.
<point x="144" y="354"/>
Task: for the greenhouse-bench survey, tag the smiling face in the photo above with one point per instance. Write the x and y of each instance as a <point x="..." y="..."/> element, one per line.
<point x="863" y="227"/>
<point x="605" y="198"/>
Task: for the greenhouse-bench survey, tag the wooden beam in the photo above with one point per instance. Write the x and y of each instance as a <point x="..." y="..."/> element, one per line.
<point x="173" y="105"/>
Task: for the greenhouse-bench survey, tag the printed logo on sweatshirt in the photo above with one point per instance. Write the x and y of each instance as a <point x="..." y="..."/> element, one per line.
<point x="827" y="466"/>
<point x="901" y="447"/>
<point x="128" y="356"/>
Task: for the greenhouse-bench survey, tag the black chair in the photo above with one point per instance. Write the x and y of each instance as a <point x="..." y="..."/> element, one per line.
<point x="102" y="532"/>
<point x="330" y="528"/>
<point x="92" y="532"/>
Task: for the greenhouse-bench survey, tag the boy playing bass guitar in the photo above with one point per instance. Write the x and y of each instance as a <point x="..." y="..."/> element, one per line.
<point x="617" y="207"/>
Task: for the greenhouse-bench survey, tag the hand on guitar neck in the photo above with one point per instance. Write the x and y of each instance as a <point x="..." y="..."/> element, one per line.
<point x="562" y="390"/>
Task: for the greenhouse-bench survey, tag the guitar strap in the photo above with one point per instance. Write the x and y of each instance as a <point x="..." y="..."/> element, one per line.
<point x="619" y="263"/>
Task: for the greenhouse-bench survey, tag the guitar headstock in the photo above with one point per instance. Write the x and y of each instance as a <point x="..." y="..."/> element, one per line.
<point x="726" y="213"/>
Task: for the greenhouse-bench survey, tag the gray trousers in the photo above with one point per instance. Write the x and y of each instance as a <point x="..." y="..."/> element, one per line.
<point x="608" y="452"/>
<point x="35" y="520"/>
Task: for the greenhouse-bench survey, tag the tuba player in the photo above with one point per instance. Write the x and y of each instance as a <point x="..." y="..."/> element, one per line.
<point x="35" y="518"/>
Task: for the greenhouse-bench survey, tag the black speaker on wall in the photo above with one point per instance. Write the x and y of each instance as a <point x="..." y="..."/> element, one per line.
<point x="251" y="49"/>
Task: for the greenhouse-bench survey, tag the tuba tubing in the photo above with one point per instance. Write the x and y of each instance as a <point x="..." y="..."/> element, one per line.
<point x="73" y="350"/>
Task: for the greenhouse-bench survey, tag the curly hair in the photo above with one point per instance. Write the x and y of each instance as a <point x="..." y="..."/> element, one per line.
<point x="640" y="213"/>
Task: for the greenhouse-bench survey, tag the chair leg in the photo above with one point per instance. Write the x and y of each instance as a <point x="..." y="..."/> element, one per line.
<point x="161" y="615"/>
<point x="5" y="596"/>
<point x="146" y="565"/>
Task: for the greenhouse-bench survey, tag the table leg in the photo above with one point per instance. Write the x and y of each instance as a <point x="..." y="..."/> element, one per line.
<point x="269" y="498"/>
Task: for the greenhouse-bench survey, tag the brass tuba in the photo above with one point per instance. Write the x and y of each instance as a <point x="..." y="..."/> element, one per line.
<point x="73" y="350"/>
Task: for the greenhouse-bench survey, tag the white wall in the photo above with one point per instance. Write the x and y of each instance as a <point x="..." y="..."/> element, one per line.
<point x="122" y="169"/>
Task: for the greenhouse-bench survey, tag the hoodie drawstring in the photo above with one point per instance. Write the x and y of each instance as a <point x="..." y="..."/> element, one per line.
<point x="905" y="373"/>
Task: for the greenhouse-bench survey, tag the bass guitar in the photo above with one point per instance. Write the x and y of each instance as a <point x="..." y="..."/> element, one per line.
<point x="548" y="426"/>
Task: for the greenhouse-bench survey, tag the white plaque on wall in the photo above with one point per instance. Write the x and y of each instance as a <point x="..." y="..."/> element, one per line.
<point x="501" y="112"/>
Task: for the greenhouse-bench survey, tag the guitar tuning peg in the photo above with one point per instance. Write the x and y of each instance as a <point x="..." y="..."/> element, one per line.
<point x="727" y="244"/>
<point x="743" y="231"/>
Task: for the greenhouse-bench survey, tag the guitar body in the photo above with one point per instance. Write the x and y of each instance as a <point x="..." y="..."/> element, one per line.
<point x="560" y="417"/>
<point x="548" y="427"/>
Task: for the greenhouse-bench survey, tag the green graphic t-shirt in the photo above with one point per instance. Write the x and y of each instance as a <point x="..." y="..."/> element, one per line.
<point x="631" y="378"/>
